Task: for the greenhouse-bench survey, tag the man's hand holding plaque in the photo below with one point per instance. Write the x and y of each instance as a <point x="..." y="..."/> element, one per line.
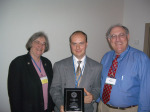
<point x="89" y="97"/>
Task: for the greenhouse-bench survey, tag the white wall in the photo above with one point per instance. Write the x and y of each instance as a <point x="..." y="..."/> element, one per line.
<point x="136" y="14"/>
<point x="59" y="18"/>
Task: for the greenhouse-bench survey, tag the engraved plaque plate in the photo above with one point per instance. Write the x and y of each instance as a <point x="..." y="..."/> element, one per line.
<point x="74" y="100"/>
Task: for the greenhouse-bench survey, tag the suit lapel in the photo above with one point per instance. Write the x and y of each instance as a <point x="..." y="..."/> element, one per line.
<point x="32" y="71"/>
<point x="70" y="72"/>
<point x="34" y="75"/>
<point x="45" y="67"/>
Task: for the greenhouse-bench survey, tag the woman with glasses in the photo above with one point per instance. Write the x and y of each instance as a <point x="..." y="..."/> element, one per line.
<point x="30" y="76"/>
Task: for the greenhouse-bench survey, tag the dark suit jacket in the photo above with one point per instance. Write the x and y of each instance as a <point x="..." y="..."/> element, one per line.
<point x="24" y="85"/>
<point x="64" y="78"/>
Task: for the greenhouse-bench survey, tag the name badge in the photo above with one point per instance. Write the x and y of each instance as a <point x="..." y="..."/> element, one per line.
<point x="111" y="81"/>
<point x="44" y="80"/>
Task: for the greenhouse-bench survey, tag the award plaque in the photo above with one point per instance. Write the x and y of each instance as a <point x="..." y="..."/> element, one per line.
<point x="74" y="100"/>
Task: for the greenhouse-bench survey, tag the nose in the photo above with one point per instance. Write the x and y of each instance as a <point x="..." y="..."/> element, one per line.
<point x="118" y="38"/>
<point x="77" y="46"/>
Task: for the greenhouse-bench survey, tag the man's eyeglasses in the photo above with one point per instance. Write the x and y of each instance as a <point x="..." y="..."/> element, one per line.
<point x="121" y="35"/>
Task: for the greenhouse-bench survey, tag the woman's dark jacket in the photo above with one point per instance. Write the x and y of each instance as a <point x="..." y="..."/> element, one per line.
<point x="24" y="85"/>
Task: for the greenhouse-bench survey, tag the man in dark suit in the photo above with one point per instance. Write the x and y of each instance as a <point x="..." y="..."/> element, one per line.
<point x="65" y="74"/>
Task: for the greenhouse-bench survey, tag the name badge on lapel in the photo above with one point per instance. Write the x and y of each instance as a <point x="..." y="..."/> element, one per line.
<point x="111" y="81"/>
<point x="44" y="80"/>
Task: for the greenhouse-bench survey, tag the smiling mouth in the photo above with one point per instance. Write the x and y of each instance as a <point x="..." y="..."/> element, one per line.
<point x="39" y="50"/>
<point x="78" y="51"/>
<point x="118" y="43"/>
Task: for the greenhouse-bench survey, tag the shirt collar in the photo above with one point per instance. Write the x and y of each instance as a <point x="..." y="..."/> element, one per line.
<point x="76" y="60"/>
<point x="122" y="55"/>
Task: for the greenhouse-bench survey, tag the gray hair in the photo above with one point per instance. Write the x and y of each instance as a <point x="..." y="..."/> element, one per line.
<point x="34" y="37"/>
<point x="116" y="25"/>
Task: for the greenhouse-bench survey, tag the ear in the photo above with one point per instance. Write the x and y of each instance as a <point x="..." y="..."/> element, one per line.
<point x="86" y="44"/>
<point x="128" y="36"/>
<point x="108" y="40"/>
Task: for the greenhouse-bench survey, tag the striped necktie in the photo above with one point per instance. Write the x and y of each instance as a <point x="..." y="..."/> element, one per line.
<point x="78" y="72"/>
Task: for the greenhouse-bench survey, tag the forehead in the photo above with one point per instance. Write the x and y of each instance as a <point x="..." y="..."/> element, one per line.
<point x="78" y="36"/>
<point x="117" y="30"/>
<point x="41" y="38"/>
